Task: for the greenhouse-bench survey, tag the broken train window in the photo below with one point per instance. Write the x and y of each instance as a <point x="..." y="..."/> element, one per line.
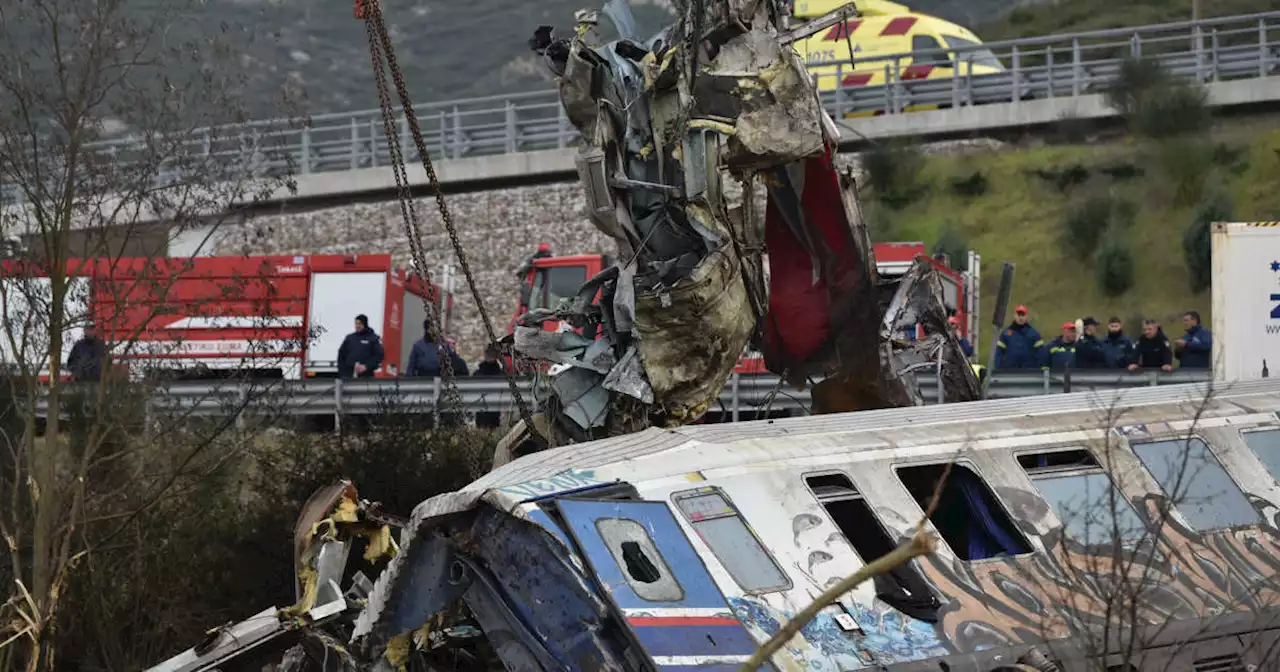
<point x="968" y="516"/>
<point x="724" y="530"/>
<point x="633" y="549"/>
<point x="902" y="588"/>
<point x="1265" y="443"/>
<point x="1093" y="512"/>
<point x="1196" y="484"/>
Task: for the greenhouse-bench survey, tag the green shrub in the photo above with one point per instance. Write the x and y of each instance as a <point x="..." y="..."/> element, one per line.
<point x="1187" y="165"/>
<point x="953" y="244"/>
<point x="1123" y="170"/>
<point x="1086" y="223"/>
<point x="1115" y="267"/>
<point x="1174" y="110"/>
<point x="1137" y="80"/>
<point x="893" y="173"/>
<point x="974" y="184"/>
<point x="1197" y="248"/>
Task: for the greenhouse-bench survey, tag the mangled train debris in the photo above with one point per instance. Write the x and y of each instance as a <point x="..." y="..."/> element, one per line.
<point x="719" y="98"/>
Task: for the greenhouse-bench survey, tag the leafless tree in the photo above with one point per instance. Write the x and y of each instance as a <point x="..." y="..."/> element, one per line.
<point x="119" y="128"/>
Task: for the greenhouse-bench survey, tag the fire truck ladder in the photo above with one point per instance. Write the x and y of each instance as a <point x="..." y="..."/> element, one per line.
<point x="380" y="47"/>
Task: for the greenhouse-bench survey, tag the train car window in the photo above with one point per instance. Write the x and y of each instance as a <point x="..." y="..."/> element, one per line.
<point x="968" y="515"/>
<point x="1266" y="445"/>
<point x="1091" y="509"/>
<point x="1196" y="483"/>
<point x="633" y="549"/>
<point x="723" y="529"/>
<point x="902" y="588"/>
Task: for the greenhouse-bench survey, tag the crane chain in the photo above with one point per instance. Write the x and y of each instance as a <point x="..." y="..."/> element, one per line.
<point x="452" y="399"/>
<point x="373" y="13"/>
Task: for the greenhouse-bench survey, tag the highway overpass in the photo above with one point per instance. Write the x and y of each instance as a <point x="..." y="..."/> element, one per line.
<point x="523" y="139"/>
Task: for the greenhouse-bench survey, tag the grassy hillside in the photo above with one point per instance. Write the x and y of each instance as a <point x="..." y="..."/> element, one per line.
<point x="1058" y="16"/>
<point x="1021" y="216"/>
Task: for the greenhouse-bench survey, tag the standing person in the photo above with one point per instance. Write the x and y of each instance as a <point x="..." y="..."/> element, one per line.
<point x="1152" y="350"/>
<point x="1090" y="352"/>
<point x="424" y="359"/>
<point x="1020" y="345"/>
<point x="953" y="323"/>
<point x="361" y="352"/>
<point x="491" y="365"/>
<point x="1117" y="345"/>
<point x="1195" y="348"/>
<point x="86" y="356"/>
<point x="1061" y="354"/>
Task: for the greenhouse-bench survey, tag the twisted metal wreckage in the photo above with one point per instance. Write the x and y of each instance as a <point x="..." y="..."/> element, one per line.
<point x="666" y="122"/>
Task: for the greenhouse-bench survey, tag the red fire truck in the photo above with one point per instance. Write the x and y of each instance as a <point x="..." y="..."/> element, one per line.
<point x="547" y="279"/>
<point x="204" y="317"/>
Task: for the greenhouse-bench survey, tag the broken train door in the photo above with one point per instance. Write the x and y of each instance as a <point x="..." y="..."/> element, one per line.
<point x="657" y="582"/>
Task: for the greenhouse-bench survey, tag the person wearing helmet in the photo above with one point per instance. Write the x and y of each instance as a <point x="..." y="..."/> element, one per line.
<point x="953" y="323"/>
<point x="1062" y="351"/>
<point x="1020" y="345"/>
<point x="544" y="251"/>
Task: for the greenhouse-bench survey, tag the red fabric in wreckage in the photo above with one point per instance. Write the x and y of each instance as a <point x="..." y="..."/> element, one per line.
<point x="798" y="325"/>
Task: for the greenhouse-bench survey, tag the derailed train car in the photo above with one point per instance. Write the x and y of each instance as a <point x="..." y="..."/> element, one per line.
<point x="1077" y="532"/>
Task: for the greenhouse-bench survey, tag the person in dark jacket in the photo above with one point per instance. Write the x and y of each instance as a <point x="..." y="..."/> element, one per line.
<point x="1061" y="353"/>
<point x="86" y="357"/>
<point x="1090" y="352"/>
<point x="953" y="323"/>
<point x="424" y="360"/>
<point x="1195" y="348"/>
<point x="492" y="363"/>
<point x="361" y="352"/>
<point x="1118" y="346"/>
<point x="1020" y="345"/>
<point x="1152" y="350"/>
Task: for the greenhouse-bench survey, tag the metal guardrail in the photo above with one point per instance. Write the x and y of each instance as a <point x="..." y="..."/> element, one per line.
<point x="1066" y="65"/>
<point x="745" y="396"/>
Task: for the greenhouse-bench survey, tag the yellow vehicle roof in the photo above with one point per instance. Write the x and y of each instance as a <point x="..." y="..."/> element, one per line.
<point x="871" y="10"/>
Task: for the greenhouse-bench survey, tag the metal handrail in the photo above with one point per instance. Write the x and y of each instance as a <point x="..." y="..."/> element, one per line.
<point x="744" y="397"/>
<point x="1074" y="64"/>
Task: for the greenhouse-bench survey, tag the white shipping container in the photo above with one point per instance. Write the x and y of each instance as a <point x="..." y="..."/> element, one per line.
<point x="1246" y="300"/>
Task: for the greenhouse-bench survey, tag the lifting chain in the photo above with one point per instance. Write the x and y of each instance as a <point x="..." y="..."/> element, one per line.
<point x="377" y="32"/>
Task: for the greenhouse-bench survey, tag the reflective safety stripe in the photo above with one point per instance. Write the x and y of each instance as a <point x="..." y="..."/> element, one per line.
<point x="1001" y="344"/>
<point x="1040" y="343"/>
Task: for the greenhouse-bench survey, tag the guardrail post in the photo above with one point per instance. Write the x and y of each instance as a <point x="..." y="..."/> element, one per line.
<point x="897" y="80"/>
<point x="1048" y="63"/>
<point x="968" y="82"/>
<point x="1135" y="46"/>
<point x="405" y="146"/>
<point x="337" y="405"/>
<point x="512" y="144"/>
<point x="355" y="144"/>
<point x="1046" y="384"/>
<point x="1153" y="379"/>
<point x="1075" y="68"/>
<point x="435" y="401"/>
<point x="955" y="79"/>
<point x="736" y="381"/>
<point x="562" y="128"/>
<point x="1017" y="75"/>
<point x="208" y="145"/>
<point x="456" y="153"/>
<point x="1263" y="52"/>
<point x="1213" y="54"/>
<point x="888" y="90"/>
<point x="444" y="130"/>
<point x="1197" y="34"/>
<point x="373" y="145"/>
<point x="242" y="399"/>
<point x="304" y="161"/>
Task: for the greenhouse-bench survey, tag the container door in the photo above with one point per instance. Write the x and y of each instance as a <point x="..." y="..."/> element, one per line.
<point x="336" y="299"/>
<point x="659" y="584"/>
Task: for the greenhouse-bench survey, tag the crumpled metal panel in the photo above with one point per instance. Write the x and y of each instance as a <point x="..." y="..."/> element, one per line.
<point x="692" y="335"/>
